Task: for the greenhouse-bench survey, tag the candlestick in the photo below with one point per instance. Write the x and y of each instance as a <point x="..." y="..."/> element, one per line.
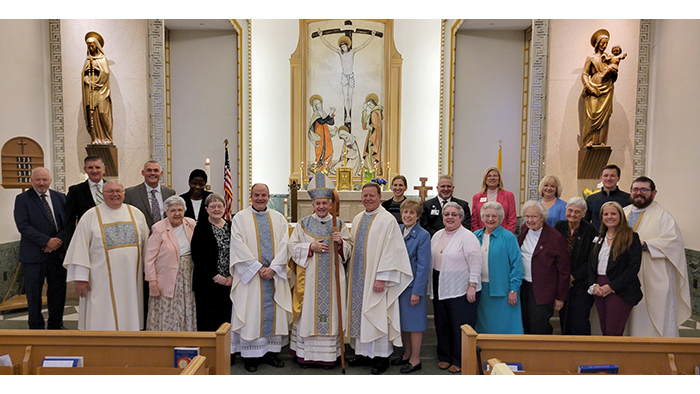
<point x="285" y="208"/>
<point x="207" y="169"/>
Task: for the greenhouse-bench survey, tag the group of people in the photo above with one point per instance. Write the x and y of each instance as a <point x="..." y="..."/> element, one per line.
<point x="140" y="258"/>
<point x="145" y="258"/>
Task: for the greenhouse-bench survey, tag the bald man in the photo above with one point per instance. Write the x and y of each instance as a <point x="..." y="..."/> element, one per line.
<point x="39" y="216"/>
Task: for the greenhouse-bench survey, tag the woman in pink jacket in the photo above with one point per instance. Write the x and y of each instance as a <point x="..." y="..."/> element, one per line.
<point x="492" y="190"/>
<point x="171" y="305"/>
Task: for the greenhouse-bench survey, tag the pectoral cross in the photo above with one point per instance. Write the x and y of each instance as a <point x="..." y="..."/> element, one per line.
<point x="422" y="189"/>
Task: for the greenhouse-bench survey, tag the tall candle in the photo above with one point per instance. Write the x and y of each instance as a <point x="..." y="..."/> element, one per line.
<point x="285" y="208"/>
<point x="207" y="169"/>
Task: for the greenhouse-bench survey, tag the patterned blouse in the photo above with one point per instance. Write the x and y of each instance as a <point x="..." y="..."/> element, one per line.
<point x="223" y="241"/>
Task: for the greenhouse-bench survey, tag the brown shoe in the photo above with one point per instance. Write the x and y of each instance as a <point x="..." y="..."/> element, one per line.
<point x="443" y="365"/>
<point x="454" y="369"/>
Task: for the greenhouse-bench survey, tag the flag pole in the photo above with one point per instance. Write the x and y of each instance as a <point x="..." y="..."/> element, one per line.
<point x="335" y="209"/>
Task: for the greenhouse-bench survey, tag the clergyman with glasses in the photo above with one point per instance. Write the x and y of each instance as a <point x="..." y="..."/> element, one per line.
<point x="105" y="263"/>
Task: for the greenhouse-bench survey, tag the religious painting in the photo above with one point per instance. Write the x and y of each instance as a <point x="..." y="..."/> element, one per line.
<point x="344" y="74"/>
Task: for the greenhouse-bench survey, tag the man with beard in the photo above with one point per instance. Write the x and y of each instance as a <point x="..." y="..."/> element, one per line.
<point x="664" y="273"/>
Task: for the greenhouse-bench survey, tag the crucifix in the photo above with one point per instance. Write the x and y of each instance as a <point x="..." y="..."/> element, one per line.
<point x="346" y="50"/>
<point x="422" y="189"/>
<point x="21" y="144"/>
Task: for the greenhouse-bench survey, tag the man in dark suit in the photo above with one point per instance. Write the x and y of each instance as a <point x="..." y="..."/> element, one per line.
<point x="39" y="216"/>
<point x="148" y="196"/>
<point x="84" y="195"/>
<point x="431" y="219"/>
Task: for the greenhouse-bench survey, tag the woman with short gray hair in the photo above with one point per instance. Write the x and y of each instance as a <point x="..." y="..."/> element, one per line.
<point x="501" y="275"/>
<point x="168" y="266"/>
<point x="546" y="270"/>
<point x="579" y="235"/>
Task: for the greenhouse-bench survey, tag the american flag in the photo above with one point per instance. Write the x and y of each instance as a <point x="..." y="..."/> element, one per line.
<point x="228" y="186"/>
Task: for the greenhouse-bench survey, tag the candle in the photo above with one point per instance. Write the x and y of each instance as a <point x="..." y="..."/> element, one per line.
<point x="207" y="169"/>
<point x="285" y="208"/>
<point x="302" y="170"/>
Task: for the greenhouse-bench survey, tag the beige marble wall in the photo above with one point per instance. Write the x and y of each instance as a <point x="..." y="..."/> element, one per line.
<point x="569" y="45"/>
<point x="126" y="49"/>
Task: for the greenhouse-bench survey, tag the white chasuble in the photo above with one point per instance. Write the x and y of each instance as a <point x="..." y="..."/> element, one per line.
<point x="663" y="274"/>
<point x="379" y="254"/>
<point x="315" y="333"/>
<point x="108" y="246"/>
<point x="261" y="308"/>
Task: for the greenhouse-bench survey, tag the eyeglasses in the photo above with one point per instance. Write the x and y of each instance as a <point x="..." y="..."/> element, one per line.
<point x="531" y="217"/>
<point x="113" y="192"/>
<point x="641" y="189"/>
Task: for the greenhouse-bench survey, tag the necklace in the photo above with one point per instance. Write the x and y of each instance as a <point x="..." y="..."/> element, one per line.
<point x="608" y="237"/>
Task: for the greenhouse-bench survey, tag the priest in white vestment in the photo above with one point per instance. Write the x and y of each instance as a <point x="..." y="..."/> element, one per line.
<point x="262" y="301"/>
<point x="379" y="272"/>
<point x="664" y="272"/>
<point x="105" y="262"/>
<point x="315" y="337"/>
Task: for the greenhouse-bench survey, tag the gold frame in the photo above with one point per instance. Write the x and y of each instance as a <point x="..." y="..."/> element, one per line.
<point x="344" y="178"/>
<point x="391" y="91"/>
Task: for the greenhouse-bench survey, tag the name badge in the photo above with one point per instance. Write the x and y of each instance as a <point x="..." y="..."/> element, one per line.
<point x="434" y="212"/>
<point x="482" y="199"/>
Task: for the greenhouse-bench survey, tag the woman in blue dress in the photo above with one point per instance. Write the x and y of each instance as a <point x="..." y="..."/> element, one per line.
<point x="412" y="302"/>
<point x="501" y="275"/>
<point x="550" y="191"/>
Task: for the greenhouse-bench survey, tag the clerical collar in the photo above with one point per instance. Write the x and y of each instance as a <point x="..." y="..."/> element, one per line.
<point x="370" y="213"/>
<point x="635" y="209"/>
<point x="258" y="212"/>
<point x="323" y="219"/>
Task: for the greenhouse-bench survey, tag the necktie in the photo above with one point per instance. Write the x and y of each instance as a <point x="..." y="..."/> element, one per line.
<point x="98" y="194"/>
<point x="155" y="208"/>
<point x="48" y="211"/>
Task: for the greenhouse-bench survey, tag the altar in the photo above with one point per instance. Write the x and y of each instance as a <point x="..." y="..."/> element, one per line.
<point x="350" y="203"/>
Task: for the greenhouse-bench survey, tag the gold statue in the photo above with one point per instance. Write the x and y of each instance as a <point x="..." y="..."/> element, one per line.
<point x="96" y="92"/>
<point x="598" y="77"/>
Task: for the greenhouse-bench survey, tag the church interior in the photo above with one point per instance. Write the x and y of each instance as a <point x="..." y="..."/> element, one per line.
<point x="459" y="96"/>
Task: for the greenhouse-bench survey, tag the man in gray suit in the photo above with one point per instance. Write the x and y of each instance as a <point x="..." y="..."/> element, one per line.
<point x="148" y="196"/>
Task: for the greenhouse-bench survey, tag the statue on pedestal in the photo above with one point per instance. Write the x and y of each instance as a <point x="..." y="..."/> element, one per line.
<point x="96" y="92"/>
<point x="599" y="75"/>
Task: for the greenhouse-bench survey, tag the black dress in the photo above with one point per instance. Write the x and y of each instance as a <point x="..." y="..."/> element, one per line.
<point x="210" y="253"/>
<point x="189" y="208"/>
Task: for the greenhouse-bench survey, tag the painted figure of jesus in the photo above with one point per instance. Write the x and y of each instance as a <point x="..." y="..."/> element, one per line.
<point x="347" y="75"/>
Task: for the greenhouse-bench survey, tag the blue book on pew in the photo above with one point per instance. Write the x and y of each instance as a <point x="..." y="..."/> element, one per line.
<point x="62" y="362"/>
<point x="183" y="355"/>
<point x="604" y="368"/>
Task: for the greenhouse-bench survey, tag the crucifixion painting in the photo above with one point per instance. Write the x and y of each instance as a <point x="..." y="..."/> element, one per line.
<point x="346" y="51"/>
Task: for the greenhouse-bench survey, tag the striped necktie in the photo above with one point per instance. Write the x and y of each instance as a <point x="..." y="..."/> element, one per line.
<point x="98" y="194"/>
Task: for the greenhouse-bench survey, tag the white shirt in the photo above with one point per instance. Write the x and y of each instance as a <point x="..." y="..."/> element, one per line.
<point x="529" y="244"/>
<point x="93" y="189"/>
<point x="603" y="257"/>
<point x="196" y="206"/>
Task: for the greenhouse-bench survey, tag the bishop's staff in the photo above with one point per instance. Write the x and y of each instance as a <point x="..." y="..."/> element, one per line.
<point x="335" y="209"/>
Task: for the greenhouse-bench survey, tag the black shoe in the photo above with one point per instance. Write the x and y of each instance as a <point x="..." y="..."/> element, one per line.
<point x="399" y="361"/>
<point x="272" y="360"/>
<point x="408" y="368"/>
<point x="359" y="361"/>
<point x="380" y="365"/>
<point x="233" y="359"/>
<point x="250" y="365"/>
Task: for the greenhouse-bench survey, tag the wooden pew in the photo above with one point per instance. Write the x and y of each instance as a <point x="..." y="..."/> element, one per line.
<point x="118" y="352"/>
<point x="562" y="354"/>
